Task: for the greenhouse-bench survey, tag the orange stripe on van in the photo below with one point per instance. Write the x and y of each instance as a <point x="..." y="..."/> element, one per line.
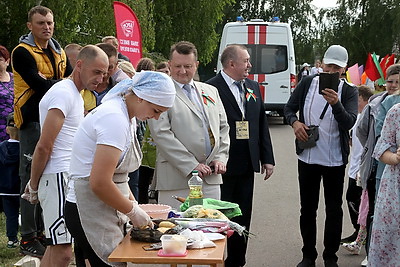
<point x="251" y="34"/>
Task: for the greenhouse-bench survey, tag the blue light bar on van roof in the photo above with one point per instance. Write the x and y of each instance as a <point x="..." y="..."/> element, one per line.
<point x="239" y="18"/>
<point x="276" y="19"/>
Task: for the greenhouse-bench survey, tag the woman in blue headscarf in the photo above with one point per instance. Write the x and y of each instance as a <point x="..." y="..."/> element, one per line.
<point x="105" y="150"/>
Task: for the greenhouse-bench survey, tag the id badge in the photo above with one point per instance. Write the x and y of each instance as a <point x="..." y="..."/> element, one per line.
<point x="242" y="130"/>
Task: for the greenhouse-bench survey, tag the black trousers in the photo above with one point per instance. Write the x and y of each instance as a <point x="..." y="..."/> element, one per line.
<point x="145" y="177"/>
<point x="74" y="225"/>
<point x="238" y="189"/>
<point x="353" y="198"/>
<point x="31" y="214"/>
<point x="310" y="176"/>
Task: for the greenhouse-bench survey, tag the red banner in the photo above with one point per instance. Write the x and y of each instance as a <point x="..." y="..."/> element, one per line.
<point x="128" y="32"/>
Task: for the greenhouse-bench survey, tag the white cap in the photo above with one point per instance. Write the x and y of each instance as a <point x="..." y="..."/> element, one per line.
<point x="305" y="65"/>
<point x="337" y="55"/>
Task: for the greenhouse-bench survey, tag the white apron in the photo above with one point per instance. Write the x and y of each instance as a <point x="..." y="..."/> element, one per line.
<point x="103" y="225"/>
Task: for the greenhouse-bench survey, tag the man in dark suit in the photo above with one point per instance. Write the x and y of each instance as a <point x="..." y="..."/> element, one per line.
<point x="250" y="140"/>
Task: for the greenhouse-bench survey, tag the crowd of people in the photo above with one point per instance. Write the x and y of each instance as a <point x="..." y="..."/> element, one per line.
<point x="84" y="133"/>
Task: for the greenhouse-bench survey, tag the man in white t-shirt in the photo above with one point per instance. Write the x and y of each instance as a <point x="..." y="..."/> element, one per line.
<point x="61" y="111"/>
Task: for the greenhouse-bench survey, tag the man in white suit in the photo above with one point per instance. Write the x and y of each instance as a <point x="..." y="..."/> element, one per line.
<point x="192" y="135"/>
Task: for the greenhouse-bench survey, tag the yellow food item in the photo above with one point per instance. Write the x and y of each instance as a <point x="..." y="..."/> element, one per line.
<point x="166" y="224"/>
<point x="212" y="214"/>
<point x="163" y="229"/>
<point x="198" y="211"/>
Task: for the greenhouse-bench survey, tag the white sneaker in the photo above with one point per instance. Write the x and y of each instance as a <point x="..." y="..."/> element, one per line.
<point x="12" y="244"/>
<point x="353" y="247"/>
<point x="364" y="263"/>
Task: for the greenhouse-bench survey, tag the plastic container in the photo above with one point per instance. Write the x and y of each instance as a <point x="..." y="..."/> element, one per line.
<point x="173" y="244"/>
<point x="156" y="211"/>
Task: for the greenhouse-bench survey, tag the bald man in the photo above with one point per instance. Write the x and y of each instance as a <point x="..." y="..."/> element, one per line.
<point x="61" y="111"/>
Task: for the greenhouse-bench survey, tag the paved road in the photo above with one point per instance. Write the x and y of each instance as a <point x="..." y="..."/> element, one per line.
<point x="276" y="212"/>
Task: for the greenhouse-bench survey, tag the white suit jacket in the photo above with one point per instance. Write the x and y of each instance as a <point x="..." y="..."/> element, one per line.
<point x="179" y="138"/>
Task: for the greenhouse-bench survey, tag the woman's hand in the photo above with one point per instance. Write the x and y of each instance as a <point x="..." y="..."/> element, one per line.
<point x="139" y="217"/>
<point x="396" y="157"/>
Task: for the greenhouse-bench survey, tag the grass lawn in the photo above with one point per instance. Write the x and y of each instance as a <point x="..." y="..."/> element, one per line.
<point x="8" y="256"/>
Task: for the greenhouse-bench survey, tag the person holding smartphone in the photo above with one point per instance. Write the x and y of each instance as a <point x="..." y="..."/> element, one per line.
<point x="335" y="113"/>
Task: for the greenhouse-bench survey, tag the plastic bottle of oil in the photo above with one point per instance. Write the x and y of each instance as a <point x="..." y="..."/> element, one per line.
<point x="196" y="189"/>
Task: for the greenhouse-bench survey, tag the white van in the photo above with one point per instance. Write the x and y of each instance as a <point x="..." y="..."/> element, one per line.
<point x="271" y="50"/>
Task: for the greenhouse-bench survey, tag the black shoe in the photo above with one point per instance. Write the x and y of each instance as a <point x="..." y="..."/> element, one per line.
<point x="306" y="263"/>
<point x="42" y="240"/>
<point x="330" y="263"/>
<point x="350" y="238"/>
<point x="32" y="248"/>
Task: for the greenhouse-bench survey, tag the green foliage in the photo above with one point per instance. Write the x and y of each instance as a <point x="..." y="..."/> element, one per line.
<point x="144" y="11"/>
<point x="76" y="21"/>
<point x="13" y="21"/>
<point x="188" y="20"/>
<point x="362" y="27"/>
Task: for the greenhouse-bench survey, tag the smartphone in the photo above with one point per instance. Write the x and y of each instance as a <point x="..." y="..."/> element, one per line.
<point x="328" y="80"/>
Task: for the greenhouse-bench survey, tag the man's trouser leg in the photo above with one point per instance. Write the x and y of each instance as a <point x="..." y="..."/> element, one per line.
<point x="333" y="180"/>
<point x="309" y="184"/>
<point x="31" y="221"/>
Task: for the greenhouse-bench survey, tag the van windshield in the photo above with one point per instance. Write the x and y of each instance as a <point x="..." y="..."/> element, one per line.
<point x="267" y="59"/>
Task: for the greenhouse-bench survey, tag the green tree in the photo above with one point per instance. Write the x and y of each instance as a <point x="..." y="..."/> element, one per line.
<point x="13" y="21"/>
<point x="363" y="26"/>
<point x="78" y="21"/>
<point x="188" y="20"/>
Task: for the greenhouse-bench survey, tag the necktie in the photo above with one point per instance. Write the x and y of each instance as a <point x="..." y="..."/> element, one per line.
<point x="242" y="96"/>
<point x="192" y="95"/>
<point x="209" y="140"/>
